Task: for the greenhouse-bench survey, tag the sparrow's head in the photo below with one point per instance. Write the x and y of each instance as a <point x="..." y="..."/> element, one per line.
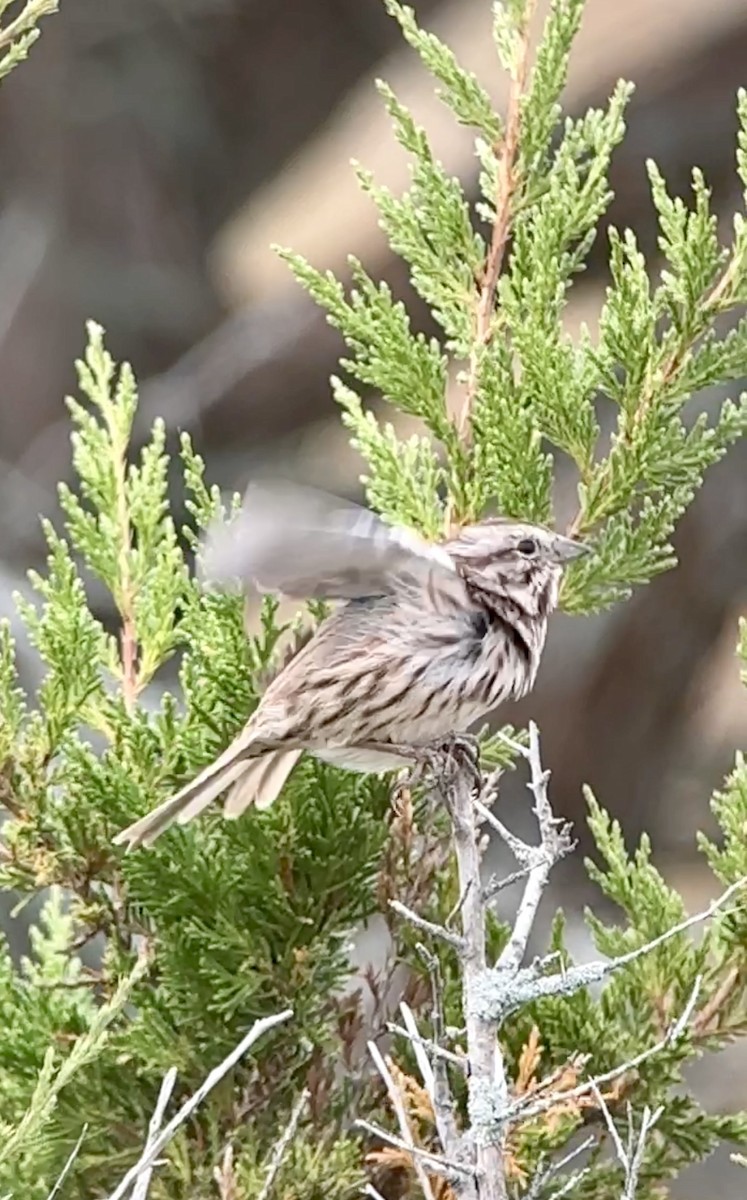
<point x="514" y="559"/>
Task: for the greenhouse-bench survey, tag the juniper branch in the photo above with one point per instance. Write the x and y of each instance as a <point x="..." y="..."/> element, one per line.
<point x="507" y="153"/>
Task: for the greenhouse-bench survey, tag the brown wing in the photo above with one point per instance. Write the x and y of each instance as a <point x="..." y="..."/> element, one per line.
<point x="306" y="544"/>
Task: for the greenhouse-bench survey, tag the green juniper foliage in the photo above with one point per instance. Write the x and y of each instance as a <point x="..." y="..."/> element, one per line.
<point x="224" y="923"/>
<point x="530" y="391"/>
<point x="19" y="32"/>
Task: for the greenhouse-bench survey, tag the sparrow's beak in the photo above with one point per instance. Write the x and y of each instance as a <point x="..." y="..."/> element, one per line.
<point x="566" y="549"/>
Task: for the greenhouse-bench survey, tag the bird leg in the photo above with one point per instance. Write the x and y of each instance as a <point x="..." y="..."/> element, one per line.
<point x="415" y="762"/>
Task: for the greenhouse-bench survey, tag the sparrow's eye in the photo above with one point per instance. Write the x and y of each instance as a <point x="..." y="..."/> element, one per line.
<point x="527" y="546"/>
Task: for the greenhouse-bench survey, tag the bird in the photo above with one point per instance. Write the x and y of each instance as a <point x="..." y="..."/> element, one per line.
<point x="426" y="639"/>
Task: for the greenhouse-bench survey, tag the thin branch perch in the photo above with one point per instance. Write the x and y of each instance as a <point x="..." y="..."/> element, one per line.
<point x="525" y="1108"/>
<point x="434" y="1048"/>
<point x="491" y="992"/>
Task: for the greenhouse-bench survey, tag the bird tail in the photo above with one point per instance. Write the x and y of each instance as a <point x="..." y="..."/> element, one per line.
<point x="261" y="782"/>
<point x="257" y="778"/>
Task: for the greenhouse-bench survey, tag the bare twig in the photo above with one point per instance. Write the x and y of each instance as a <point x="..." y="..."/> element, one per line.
<point x="648" y="1121"/>
<point x="500" y="993"/>
<point x="457" y="907"/>
<point x="68" y="1165"/>
<point x="140" y="1190"/>
<point x="524" y="1108"/>
<point x="438" y="931"/>
<point x="545" y="1174"/>
<point x="152" y="1151"/>
<point x="497" y="884"/>
<point x="630" y="1156"/>
<point x="435" y="1078"/>
<point x="398" y="1105"/>
<point x="491" y="993"/>
<point x="225" y="1176"/>
<point x="521" y="852"/>
<point x="555" y="843"/>
<point x="437" y="1163"/>
<point x="488" y="1085"/>
<point x="443" y="1100"/>
<point x="281" y="1149"/>
<point x="421" y="1058"/>
<point x="428" y="1044"/>
<point x="568" y="1185"/>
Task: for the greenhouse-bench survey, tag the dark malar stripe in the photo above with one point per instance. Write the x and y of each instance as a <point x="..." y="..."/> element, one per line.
<point x="473" y="649"/>
<point x="499" y="609"/>
<point x="513" y="635"/>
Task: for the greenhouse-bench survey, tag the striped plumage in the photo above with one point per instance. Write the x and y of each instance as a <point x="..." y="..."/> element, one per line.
<point x="430" y="639"/>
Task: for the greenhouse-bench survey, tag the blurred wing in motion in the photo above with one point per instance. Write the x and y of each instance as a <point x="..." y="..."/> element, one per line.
<point x="306" y="544"/>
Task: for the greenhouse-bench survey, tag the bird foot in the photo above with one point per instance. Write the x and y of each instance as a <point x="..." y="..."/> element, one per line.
<point x="452" y="754"/>
<point x="439" y="761"/>
<point x="463" y="748"/>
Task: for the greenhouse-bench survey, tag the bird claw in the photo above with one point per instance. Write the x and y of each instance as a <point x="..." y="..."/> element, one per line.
<point x="457" y="752"/>
<point x="439" y="762"/>
<point x="463" y="747"/>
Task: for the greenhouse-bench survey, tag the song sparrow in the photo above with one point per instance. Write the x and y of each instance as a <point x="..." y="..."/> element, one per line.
<point x="431" y="638"/>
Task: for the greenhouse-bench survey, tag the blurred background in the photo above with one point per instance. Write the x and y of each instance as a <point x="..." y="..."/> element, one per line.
<point x="152" y="151"/>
